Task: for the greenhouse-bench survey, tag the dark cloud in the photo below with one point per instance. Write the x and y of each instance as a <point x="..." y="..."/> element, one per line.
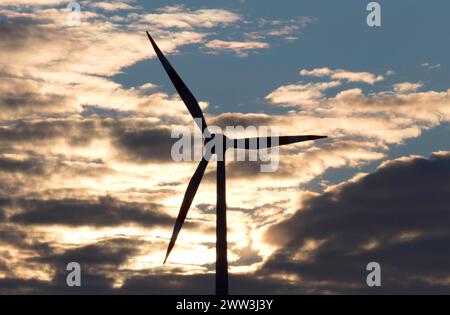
<point x="22" y="104"/>
<point x="91" y="284"/>
<point x="145" y="145"/>
<point x="24" y="286"/>
<point x="135" y="140"/>
<point x="177" y="284"/>
<point x="15" y="37"/>
<point x="3" y="203"/>
<point x="100" y="263"/>
<point x="105" y="211"/>
<point x="11" y="236"/>
<point x="244" y="284"/>
<point x="3" y="265"/>
<point x="81" y="131"/>
<point x="74" y="131"/>
<point x="239" y="119"/>
<point x="172" y="284"/>
<point x="20" y="238"/>
<point x="30" y="169"/>
<point x="29" y="166"/>
<point x="397" y="216"/>
<point x="201" y="284"/>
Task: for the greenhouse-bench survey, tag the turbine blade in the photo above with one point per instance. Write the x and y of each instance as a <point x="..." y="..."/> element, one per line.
<point x="186" y="204"/>
<point x="186" y="95"/>
<point x="266" y="142"/>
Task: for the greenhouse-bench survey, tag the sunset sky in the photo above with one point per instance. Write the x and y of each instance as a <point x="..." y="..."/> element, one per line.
<point x="86" y="173"/>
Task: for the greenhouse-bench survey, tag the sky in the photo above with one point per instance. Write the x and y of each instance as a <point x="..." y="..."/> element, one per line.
<point x="86" y="172"/>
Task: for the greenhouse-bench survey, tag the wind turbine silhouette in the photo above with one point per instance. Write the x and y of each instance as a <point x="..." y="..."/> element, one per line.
<point x="221" y="207"/>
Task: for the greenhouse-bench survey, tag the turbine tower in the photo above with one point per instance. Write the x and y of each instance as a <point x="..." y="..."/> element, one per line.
<point x="221" y="207"/>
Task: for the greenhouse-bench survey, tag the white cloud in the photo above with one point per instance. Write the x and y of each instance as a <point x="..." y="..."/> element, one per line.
<point x="112" y="6"/>
<point x="406" y="87"/>
<point x="288" y="29"/>
<point x="181" y="18"/>
<point x="341" y="74"/>
<point x="300" y="94"/>
<point x="240" y="48"/>
<point x="52" y="63"/>
<point x="31" y="2"/>
<point x="431" y="66"/>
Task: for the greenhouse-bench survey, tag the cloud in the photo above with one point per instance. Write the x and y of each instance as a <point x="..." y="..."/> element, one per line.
<point x="38" y="131"/>
<point x="407" y="87"/>
<point x="203" y="284"/>
<point x="131" y="181"/>
<point x="323" y="248"/>
<point x="63" y="73"/>
<point x="427" y="107"/>
<point x="29" y="166"/>
<point x="199" y="284"/>
<point x="136" y="144"/>
<point x="94" y="284"/>
<point x="430" y="66"/>
<point x="241" y="119"/>
<point x="287" y="29"/>
<point x="387" y="116"/>
<point x="239" y="48"/>
<point x="106" y="211"/>
<point x="396" y="216"/>
<point x="70" y="66"/>
<point x="112" y="6"/>
<point x="127" y="135"/>
<point x="71" y="137"/>
<point x="179" y="17"/>
<point x="31" y="2"/>
<point x="98" y="261"/>
<point x="112" y="252"/>
<point x="305" y="95"/>
<point x="340" y="74"/>
<point x="54" y="49"/>
<point x="20" y="98"/>
<point x="2" y="212"/>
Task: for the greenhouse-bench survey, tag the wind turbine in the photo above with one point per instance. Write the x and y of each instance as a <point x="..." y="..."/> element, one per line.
<point x="221" y="207"/>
